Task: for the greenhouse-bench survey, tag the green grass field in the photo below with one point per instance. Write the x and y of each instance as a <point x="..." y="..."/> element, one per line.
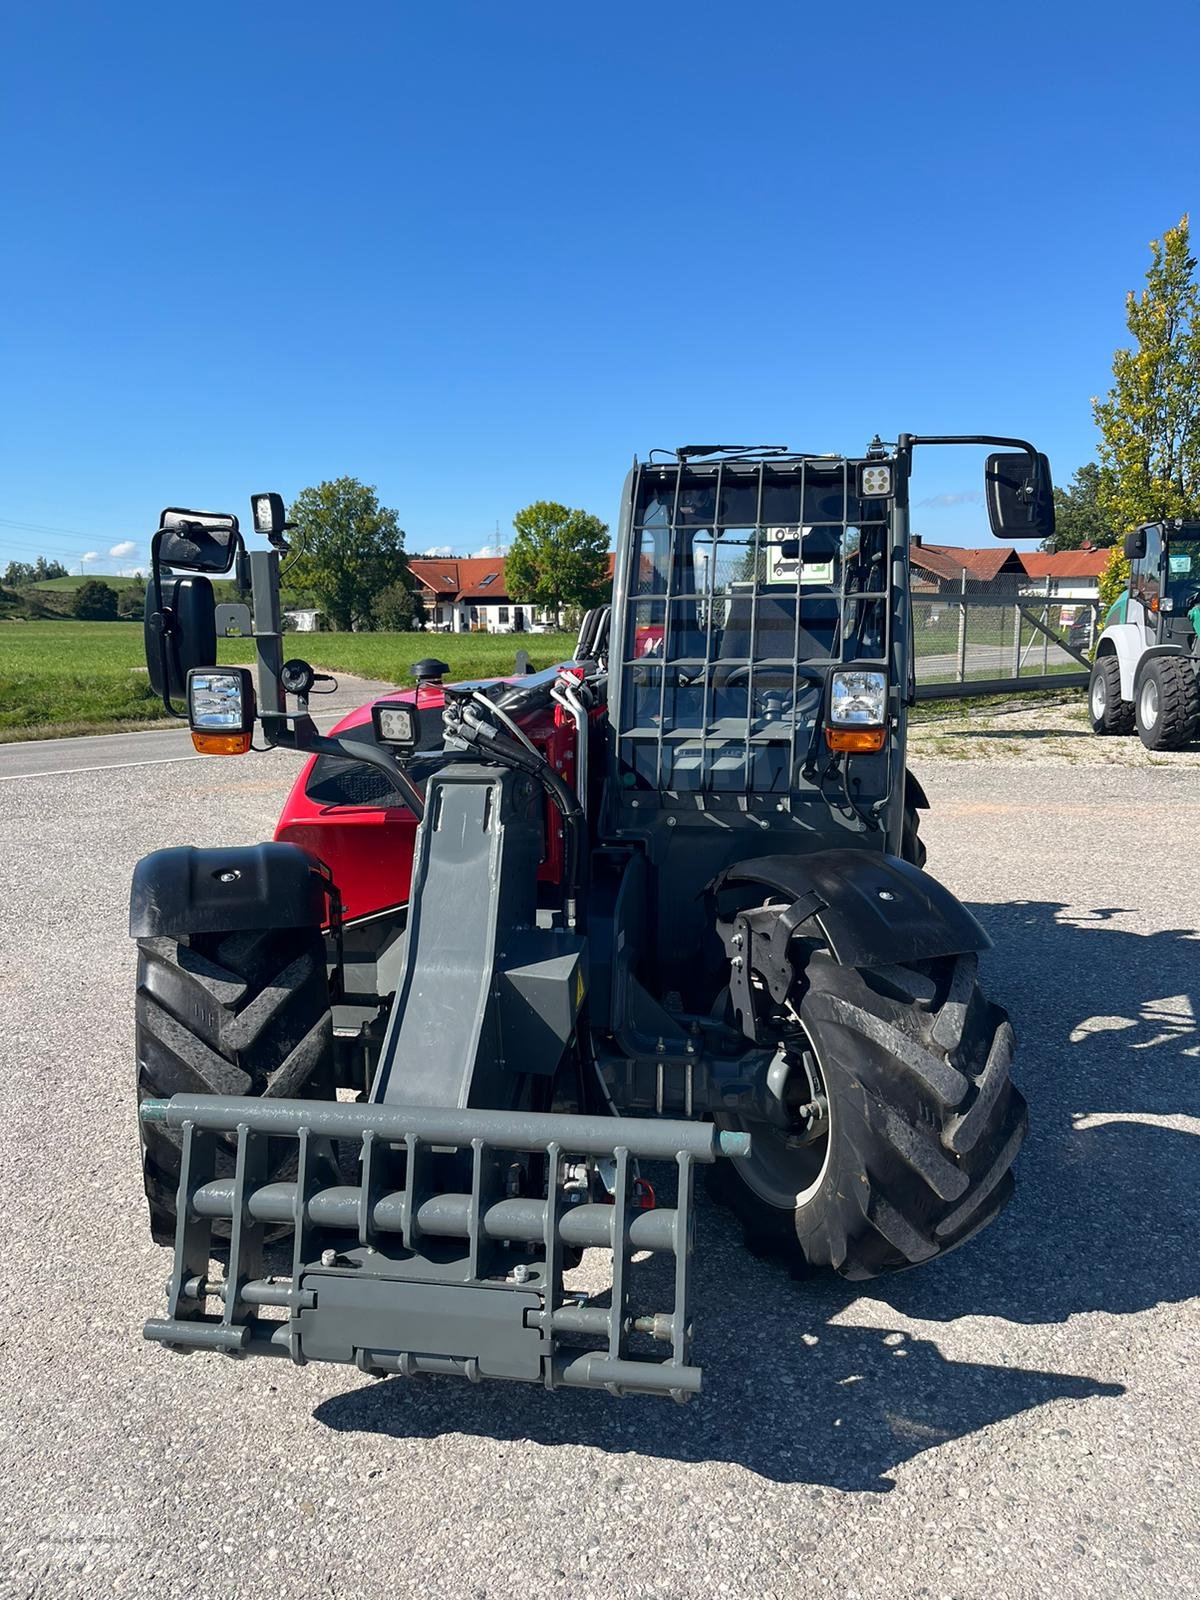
<point x="59" y="678"/>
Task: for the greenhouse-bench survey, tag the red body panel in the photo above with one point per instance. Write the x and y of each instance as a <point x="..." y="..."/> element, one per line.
<point x="369" y="849"/>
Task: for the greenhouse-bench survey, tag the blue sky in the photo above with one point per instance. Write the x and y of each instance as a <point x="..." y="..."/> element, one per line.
<point x="479" y="255"/>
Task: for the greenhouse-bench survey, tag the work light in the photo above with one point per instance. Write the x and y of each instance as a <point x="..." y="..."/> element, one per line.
<point x="874" y="480"/>
<point x="396" y="724"/>
<point x="221" y="710"/>
<point x="269" y="514"/>
<point x="856" y="711"/>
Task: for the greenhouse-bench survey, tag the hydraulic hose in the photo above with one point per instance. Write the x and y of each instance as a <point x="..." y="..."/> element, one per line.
<point x="468" y="725"/>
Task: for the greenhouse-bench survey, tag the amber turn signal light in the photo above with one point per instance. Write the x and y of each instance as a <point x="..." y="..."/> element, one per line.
<point x="852" y="739"/>
<point x="221" y="744"/>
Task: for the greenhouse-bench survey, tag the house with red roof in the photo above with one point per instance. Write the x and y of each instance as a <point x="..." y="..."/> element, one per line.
<point x="468" y="594"/>
<point x="949" y="569"/>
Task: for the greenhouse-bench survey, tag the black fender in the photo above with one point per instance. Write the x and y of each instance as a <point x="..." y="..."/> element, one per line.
<point x="184" y="890"/>
<point x="872" y="910"/>
<point x="1154" y="653"/>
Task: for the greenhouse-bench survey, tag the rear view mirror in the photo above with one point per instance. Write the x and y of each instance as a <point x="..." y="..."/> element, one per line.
<point x="180" y="634"/>
<point x="1020" y="496"/>
<point x="1135" y="544"/>
<point x="201" y="541"/>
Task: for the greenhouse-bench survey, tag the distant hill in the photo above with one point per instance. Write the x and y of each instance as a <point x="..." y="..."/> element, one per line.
<point x="73" y="581"/>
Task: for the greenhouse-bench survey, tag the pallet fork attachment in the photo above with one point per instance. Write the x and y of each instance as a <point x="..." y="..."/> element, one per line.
<point x="396" y="1275"/>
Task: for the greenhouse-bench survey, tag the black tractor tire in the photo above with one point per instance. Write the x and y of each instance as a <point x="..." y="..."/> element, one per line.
<point x="1109" y="714"/>
<point x="233" y="1014"/>
<point x="1167" y="704"/>
<point x="922" y="1128"/>
<point x="912" y="846"/>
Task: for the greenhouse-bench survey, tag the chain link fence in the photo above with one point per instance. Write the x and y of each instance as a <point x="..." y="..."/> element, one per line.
<point x="976" y="637"/>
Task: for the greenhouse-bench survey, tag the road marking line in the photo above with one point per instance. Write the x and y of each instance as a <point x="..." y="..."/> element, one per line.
<point x="114" y="766"/>
<point x="117" y="766"/>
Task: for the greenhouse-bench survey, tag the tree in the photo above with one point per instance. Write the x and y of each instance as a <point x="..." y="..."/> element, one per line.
<point x="1078" y="514"/>
<point x="95" y="602"/>
<point x="395" y="608"/>
<point x="348" y="548"/>
<point x="132" y="600"/>
<point x="558" y="558"/>
<point x="1150" y="421"/>
<point x="1114" y="580"/>
<point x="20" y="574"/>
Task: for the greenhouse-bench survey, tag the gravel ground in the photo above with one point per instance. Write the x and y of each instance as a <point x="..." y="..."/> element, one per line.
<point x="1050" y="731"/>
<point x="1020" y="1419"/>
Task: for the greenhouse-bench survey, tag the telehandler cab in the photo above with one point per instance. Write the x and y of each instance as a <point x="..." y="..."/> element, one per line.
<point x="525" y="953"/>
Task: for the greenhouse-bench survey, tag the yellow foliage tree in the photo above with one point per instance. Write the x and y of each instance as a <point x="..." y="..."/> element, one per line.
<point x="1150" y="420"/>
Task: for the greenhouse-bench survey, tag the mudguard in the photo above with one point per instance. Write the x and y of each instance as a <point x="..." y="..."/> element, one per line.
<point x="872" y="909"/>
<point x="184" y="890"/>
<point x="1154" y="653"/>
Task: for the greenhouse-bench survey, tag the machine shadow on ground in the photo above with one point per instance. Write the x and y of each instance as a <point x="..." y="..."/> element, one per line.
<point x="1100" y="1224"/>
<point x="1104" y="1217"/>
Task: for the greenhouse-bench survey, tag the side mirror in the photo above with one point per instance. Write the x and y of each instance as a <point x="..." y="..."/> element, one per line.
<point x="1135" y="544"/>
<point x="1020" y="496"/>
<point x="180" y="635"/>
<point x="201" y="541"/>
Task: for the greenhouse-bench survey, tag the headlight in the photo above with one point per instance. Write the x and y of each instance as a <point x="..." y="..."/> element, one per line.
<point x="858" y="699"/>
<point x="856" y="712"/>
<point x="221" y="710"/>
<point x="396" y="725"/>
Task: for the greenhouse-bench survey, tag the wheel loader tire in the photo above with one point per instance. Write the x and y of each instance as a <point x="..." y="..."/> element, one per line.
<point x="1167" y="704"/>
<point x="923" y="1124"/>
<point x="232" y="1013"/>
<point x="1108" y="712"/>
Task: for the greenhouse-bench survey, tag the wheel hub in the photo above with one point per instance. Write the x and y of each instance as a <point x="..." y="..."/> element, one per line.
<point x="1149" y="703"/>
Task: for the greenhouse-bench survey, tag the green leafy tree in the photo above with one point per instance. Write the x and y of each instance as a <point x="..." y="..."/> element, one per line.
<point x="132" y="600"/>
<point x="1150" y="421"/>
<point x="558" y="558"/>
<point x="395" y="608"/>
<point x="347" y="548"/>
<point x="19" y="574"/>
<point x="95" y="602"/>
<point x="1114" y="580"/>
<point x="1078" y="514"/>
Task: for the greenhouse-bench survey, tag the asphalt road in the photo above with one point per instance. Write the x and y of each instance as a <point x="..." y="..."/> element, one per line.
<point x="101" y="752"/>
<point x="1020" y="1419"/>
<point x="992" y="660"/>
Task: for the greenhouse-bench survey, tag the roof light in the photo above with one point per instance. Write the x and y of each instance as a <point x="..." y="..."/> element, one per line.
<point x="874" y="480"/>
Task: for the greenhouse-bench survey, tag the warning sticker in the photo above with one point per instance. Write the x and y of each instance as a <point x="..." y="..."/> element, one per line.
<point x="784" y="547"/>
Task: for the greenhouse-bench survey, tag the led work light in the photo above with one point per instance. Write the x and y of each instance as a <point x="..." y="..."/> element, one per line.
<point x="397" y="725"/>
<point x="874" y="480"/>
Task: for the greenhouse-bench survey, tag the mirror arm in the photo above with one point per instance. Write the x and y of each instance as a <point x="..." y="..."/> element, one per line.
<point x="909" y="440"/>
